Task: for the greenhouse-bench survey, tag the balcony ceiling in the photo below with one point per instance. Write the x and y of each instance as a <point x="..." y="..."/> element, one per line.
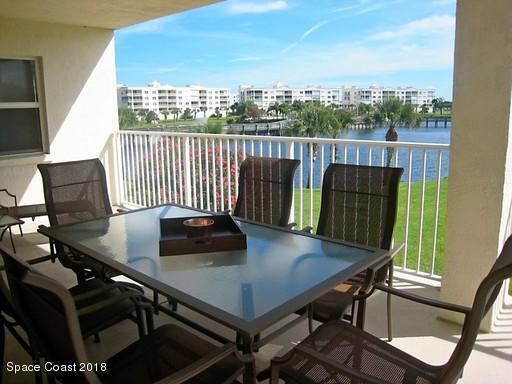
<point x="110" y="14"/>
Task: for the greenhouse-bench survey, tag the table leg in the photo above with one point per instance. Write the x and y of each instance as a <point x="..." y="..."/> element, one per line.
<point x="12" y="241"/>
<point x="250" y="368"/>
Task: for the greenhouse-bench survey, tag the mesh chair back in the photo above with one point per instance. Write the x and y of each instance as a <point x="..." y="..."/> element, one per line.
<point x="50" y="315"/>
<point x="265" y="190"/>
<point x="75" y="191"/>
<point x="359" y="204"/>
<point x="485" y="297"/>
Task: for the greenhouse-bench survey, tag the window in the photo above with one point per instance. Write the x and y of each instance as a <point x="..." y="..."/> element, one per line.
<point x="20" y="109"/>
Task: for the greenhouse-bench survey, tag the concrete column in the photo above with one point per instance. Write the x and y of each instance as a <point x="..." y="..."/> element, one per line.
<point x="480" y="179"/>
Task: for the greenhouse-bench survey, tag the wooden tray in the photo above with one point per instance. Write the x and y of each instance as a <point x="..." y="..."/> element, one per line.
<point x="223" y="235"/>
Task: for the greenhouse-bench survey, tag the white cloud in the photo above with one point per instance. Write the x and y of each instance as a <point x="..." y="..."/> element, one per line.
<point x="361" y="7"/>
<point x="430" y="25"/>
<point x="303" y="36"/>
<point x="157" y="71"/>
<point x="313" y="29"/>
<point x="248" y="58"/>
<point x="287" y="48"/>
<point x="152" y="26"/>
<point x="315" y="63"/>
<point x="237" y="7"/>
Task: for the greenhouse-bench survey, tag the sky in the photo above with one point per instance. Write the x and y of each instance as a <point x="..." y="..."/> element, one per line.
<point x="295" y="42"/>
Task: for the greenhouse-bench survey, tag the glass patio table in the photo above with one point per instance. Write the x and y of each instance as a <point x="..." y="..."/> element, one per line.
<point x="249" y="290"/>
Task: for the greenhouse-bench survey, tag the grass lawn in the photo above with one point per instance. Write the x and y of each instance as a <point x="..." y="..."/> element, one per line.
<point x="413" y="243"/>
<point x="222" y="119"/>
<point x="169" y="123"/>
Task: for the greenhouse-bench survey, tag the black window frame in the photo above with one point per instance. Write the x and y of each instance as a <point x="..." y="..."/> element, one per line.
<point x="38" y="105"/>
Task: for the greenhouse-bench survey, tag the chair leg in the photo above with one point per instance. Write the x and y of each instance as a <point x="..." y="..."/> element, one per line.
<point x="21" y="230"/>
<point x="390" y="284"/>
<point x="361" y="311"/>
<point x="310" y="318"/>
<point x="140" y="321"/>
<point x="155" y="302"/>
<point x="2" y="348"/>
<point x="274" y="374"/>
<point x="150" y="326"/>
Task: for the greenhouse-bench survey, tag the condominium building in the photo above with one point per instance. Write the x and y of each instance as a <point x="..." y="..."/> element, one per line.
<point x="409" y="95"/>
<point x="342" y="96"/>
<point x="159" y="98"/>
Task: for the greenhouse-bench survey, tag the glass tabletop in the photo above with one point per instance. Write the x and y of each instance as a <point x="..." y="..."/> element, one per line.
<point x="278" y="269"/>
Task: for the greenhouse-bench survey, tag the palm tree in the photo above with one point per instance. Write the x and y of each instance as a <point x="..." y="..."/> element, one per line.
<point x="141" y="113"/>
<point x="176" y="112"/>
<point x="285" y="109"/>
<point x="391" y="113"/>
<point x="363" y="109"/>
<point x="203" y="109"/>
<point x="187" y="114"/>
<point x="438" y="104"/>
<point x="297" y="106"/>
<point x="127" y="118"/>
<point x="151" y="117"/>
<point x="165" y="112"/>
<point x="315" y="119"/>
<point x="273" y="108"/>
<point x="343" y="119"/>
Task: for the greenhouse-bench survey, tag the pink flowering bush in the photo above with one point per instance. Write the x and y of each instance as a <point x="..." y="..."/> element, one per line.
<point x="159" y="176"/>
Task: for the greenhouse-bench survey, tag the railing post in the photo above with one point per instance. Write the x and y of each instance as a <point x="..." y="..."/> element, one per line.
<point x="289" y="154"/>
<point x="118" y="168"/>
<point x="186" y="165"/>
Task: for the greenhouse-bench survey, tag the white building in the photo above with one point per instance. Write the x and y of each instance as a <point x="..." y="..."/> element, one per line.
<point x="158" y="98"/>
<point x="344" y="95"/>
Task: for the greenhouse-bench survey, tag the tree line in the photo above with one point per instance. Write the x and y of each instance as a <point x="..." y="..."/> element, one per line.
<point x="309" y="119"/>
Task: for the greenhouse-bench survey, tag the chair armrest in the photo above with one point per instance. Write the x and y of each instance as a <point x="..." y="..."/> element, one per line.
<point x="308" y="229"/>
<point x="424" y="300"/>
<point x="371" y="272"/>
<point x="394" y="251"/>
<point x="290" y="225"/>
<point x="335" y="365"/>
<point x="101" y="290"/>
<point x="391" y="254"/>
<point x="200" y="365"/>
<point x="106" y="303"/>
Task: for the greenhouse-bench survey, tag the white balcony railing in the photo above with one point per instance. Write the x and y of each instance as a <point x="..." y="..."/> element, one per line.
<point x="200" y="170"/>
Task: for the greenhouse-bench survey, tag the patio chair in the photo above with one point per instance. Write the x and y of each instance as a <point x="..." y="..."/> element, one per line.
<point x="265" y="190"/>
<point x="339" y="352"/>
<point x="170" y="352"/>
<point x="100" y="304"/>
<point x="10" y="320"/>
<point x="359" y="205"/>
<point x="75" y="191"/>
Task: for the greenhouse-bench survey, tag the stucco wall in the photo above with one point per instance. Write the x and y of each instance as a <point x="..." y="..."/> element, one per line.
<point x="78" y="66"/>
<point x="480" y="179"/>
